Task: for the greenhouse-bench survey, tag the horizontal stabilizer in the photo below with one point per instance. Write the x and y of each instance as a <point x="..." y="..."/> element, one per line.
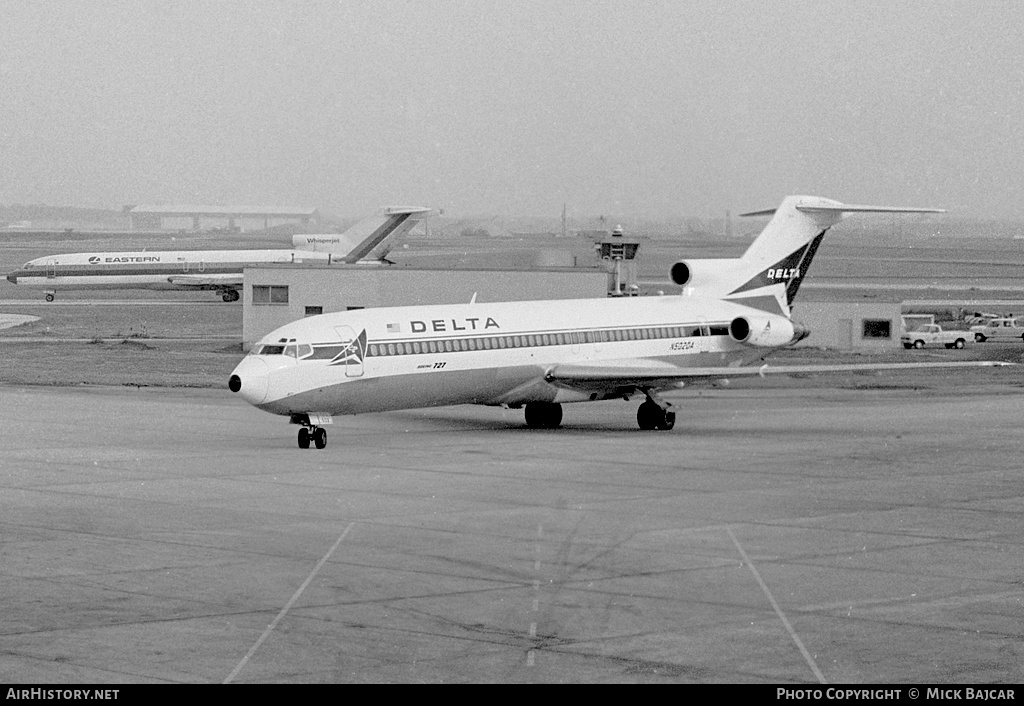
<point x="850" y="208"/>
<point x="846" y="208"/>
<point x="766" y="212"/>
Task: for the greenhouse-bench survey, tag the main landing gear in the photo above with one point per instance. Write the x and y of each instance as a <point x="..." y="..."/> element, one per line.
<point x="231" y="295"/>
<point x="318" y="435"/>
<point x="651" y="415"/>
<point x="654" y="413"/>
<point x="543" y="415"/>
<point x="50" y="296"/>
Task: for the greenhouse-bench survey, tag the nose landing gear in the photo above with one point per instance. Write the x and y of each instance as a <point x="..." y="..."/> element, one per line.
<point x="318" y="435"/>
<point x="312" y="429"/>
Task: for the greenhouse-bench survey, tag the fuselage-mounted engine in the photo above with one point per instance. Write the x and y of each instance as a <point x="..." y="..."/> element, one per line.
<point x="703" y="277"/>
<point x="766" y="330"/>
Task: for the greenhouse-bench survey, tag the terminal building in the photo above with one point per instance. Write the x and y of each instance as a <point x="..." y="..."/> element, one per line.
<point x="276" y="294"/>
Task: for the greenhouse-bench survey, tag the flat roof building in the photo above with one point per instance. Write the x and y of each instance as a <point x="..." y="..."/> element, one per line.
<point x="850" y="325"/>
<point x="274" y="295"/>
<point x="148" y="217"/>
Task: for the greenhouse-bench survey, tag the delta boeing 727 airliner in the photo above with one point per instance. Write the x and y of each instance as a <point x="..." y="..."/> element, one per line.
<point x="370" y="240"/>
<point x="541" y="354"/>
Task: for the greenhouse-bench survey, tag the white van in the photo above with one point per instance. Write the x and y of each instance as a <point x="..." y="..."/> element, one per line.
<point x="1003" y="329"/>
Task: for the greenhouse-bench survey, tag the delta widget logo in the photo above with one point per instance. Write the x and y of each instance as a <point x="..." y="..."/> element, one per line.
<point x="353" y="353"/>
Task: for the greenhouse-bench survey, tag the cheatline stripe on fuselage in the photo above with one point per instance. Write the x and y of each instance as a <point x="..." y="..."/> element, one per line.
<point x="520" y="339"/>
<point x="178" y="268"/>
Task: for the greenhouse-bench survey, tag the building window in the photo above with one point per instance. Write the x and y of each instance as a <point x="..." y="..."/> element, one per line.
<point x="269" y="294"/>
<point x="877" y="328"/>
<point x="314" y="310"/>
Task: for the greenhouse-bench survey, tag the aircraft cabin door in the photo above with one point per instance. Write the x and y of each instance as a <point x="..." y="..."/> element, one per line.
<point x="703" y="331"/>
<point x="351" y="356"/>
<point x="51" y="269"/>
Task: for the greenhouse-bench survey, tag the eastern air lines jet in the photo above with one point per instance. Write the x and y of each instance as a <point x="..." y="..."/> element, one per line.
<point x="540" y="354"/>
<point x="368" y="241"/>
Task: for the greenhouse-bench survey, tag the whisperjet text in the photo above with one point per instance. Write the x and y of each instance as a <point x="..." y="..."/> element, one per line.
<point x="966" y="693"/>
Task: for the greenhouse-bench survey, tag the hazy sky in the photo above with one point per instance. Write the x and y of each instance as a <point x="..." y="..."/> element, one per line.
<point x="514" y="108"/>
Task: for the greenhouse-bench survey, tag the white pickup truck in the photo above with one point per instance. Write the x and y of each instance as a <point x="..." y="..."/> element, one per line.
<point x="1004" y="329"/>
<point x="932" y="334"/>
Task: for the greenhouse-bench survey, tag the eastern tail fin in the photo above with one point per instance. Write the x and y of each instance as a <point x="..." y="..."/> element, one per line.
<point x="369" y="239"/>
<point x="770" y="272"/>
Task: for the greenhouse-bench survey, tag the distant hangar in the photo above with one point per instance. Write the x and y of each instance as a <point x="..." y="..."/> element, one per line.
<point x="148" y="217"/>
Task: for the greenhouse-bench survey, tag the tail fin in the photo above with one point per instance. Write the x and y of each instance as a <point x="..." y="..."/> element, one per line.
<point x="370" y="239"/>
<point x="771" y="270"/>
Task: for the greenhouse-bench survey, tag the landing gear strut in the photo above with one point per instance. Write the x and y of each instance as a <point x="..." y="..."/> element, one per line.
<point x="655" y="413"/>
<point x="543" y="415"/>
<point x="318" y="435"/>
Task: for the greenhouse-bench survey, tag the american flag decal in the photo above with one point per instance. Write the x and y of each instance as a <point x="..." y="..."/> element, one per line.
<point x="394" y="328"/>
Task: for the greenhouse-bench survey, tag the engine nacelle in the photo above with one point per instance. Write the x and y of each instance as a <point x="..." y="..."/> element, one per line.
<point x="681" y="273"/>
<point x="704" y="276"/>
<point x="766" y="330"/>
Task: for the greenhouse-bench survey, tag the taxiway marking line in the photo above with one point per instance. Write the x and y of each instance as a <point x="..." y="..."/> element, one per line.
<point x="287" y="607"/>
<point x="531" y="655"/>
<point x="778" y="610"/>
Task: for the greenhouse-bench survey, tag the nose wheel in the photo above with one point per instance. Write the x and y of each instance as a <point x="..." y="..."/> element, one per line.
<point x="318" y="435"/>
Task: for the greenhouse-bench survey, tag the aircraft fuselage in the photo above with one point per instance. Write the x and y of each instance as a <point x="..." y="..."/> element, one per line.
<point x="148" y="270"/>
<point x="493" y="354"/>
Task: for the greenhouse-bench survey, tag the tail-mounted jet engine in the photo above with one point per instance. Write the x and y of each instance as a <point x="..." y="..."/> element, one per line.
<point x="701" y="274"/>
<point x="681" y="273"/>
<point x="766" y="331"/>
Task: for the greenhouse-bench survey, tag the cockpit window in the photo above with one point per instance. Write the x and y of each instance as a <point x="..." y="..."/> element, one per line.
<point x="304" y="350"/>
<point x="271" y="349"/>
<point x="290" y="350"/>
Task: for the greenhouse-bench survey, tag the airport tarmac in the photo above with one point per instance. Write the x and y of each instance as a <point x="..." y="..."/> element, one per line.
<point x="774" y="536"/>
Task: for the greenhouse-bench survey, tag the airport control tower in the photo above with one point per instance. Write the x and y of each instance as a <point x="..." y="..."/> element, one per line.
<point x="619" y="255"/>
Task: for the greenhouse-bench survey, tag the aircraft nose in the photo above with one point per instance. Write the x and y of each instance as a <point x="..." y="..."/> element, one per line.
<point x="249" y="380"/>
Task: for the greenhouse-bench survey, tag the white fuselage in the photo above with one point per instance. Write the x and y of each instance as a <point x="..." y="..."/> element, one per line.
<point x="497" y="354"/>
<point x="149" y="270"/>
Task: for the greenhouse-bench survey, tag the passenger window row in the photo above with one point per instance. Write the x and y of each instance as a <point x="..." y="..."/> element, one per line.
<point x="480" y="343"/>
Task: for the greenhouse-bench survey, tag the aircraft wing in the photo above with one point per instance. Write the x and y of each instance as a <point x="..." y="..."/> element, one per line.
<point x="211" y="280"/>
<point x="643" y="375"/>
